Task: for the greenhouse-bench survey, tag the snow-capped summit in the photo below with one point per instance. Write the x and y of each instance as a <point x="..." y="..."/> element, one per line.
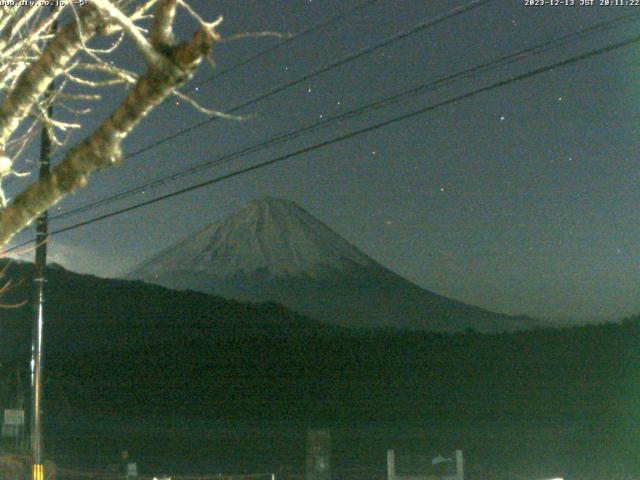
<point x="273" y="250"/>
<point x="272" y="237"/>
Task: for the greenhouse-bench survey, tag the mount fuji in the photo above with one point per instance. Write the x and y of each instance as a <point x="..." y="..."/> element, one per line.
<point x="274" y="251"/>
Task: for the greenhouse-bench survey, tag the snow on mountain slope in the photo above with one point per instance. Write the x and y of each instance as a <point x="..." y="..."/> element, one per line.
<point x="273" y="250"/>
<point x="273" y="236"/>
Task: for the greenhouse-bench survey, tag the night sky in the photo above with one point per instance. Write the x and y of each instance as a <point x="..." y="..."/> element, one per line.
<point x="523" y="199"/>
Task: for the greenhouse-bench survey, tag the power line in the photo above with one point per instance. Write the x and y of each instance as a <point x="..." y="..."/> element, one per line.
<point x="262" y="53"/>
<point x="349" y="58"/>
<point x="385" y="102"/>
<point x="350" y="135"/>
<point x="314" y="28"/>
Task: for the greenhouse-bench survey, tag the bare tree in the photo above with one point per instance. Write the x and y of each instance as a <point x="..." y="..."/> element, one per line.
<point x="33" y="54"/>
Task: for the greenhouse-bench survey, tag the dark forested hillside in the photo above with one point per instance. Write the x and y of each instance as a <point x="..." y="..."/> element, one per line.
<point x="127" y="348"/>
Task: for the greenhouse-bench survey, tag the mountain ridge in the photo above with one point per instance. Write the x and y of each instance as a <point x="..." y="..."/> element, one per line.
<point x="300" y="244"/>
<point x="273" y="250"/>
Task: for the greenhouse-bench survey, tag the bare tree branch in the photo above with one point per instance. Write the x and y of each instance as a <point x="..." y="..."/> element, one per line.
<point x="162" y="30"/>
<point x="34" y="81"/>
<point x="109" y="9"/>
<point x="102" y="149"/>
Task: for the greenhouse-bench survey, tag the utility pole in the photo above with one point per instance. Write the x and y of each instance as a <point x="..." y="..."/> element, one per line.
<point x="38" y="318"/>
<point x="37" y="336"/>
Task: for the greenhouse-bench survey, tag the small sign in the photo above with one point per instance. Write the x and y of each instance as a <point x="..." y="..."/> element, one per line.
<point x="14" y="417"/>
<point x="132" y="469"/>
